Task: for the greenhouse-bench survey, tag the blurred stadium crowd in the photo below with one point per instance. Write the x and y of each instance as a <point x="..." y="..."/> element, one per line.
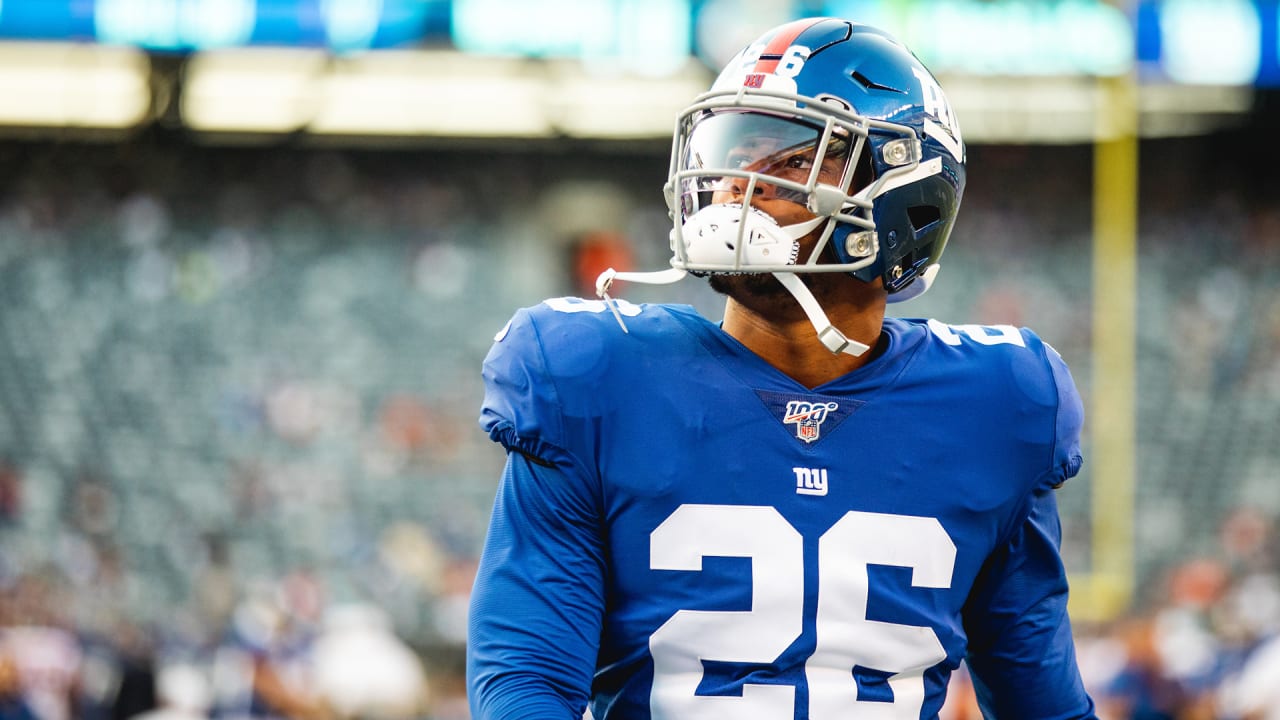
<point x="238" y="390"/>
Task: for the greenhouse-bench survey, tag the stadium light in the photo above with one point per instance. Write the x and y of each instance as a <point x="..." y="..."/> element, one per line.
<point x="1062" y="110"/>
<point x="1212" y="43"/>
<point x="251" y="90"/>
<point x="73" y="86"/>
<point x="431" y="94"/>
<point x="620" y="105"/>
<point x="267" y="91"/>
<point x="425" y="94"/>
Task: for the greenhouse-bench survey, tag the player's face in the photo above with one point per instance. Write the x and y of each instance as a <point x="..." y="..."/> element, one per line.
<point x="766" y="157"/>
<point x="769" y="147"/>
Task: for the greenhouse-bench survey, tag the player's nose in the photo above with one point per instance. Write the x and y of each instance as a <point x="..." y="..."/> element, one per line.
<point x="736" y="188"/>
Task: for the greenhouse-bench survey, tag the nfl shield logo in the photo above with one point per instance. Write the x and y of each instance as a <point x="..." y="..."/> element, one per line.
<point x="807" y="429"/>
<point x="808" y="417"/>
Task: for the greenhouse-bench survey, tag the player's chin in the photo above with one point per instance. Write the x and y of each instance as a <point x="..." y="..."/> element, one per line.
<point x="740" y="286"/>
<point x="759" y="292"/>
<point x="763" y="293"/>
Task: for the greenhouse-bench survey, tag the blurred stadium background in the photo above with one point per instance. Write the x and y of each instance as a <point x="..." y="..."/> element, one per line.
<point x="252" y="253"/>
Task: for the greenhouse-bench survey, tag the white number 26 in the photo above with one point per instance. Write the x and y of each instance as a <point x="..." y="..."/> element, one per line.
<point x="845" y="637"/>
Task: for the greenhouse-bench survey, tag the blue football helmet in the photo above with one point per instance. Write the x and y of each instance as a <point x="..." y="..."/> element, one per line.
<point x="839" y="118"/>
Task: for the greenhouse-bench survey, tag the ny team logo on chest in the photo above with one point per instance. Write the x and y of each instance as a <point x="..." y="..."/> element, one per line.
<point x="808" y="417"/>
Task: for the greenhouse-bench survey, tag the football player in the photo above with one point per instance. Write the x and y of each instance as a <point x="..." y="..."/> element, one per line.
<point x="808" y="510"/>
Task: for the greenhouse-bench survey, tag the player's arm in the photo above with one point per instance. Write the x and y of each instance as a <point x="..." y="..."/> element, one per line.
<point x="1021" y="651"/>
<point x="538" y="599"/>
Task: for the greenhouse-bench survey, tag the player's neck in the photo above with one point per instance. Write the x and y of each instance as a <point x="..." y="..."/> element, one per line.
<point x="792" y="346"/>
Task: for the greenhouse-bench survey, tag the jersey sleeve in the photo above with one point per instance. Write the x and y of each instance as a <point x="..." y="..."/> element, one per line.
<point x="1021" y="650"/>
<point x="538" y="599"/>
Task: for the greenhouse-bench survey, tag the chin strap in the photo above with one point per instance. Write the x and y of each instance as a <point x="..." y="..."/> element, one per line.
<point x="657" y="277"/>
<point x="833" y="339"/>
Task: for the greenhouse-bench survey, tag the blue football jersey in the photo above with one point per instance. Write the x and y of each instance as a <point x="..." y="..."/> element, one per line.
<point x="683" y="531"/>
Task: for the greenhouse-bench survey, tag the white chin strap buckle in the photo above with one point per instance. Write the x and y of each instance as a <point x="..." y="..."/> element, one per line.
<point x="657" y="277"/>
<point x="606" y="278"/>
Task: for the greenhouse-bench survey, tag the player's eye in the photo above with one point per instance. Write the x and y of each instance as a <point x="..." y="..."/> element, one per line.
<point x="799" y="162"/>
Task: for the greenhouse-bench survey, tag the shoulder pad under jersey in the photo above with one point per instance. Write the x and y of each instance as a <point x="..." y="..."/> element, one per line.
<point x="1027" y="379"/>
<point x="549" y="372"/>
